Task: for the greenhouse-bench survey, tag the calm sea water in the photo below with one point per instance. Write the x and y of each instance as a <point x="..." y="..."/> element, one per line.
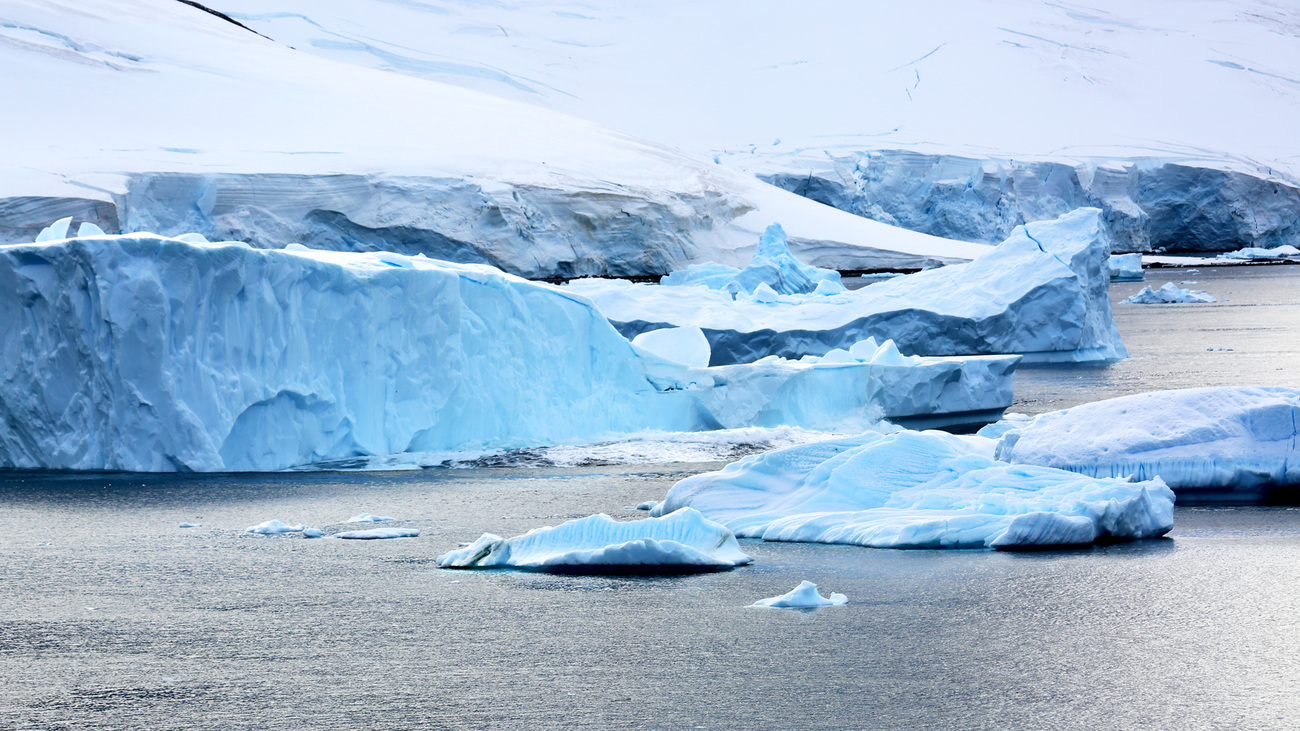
<point x="111" y="616"/>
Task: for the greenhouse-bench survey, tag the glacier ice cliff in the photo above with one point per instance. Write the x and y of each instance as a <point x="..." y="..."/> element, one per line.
<point x="1214" y="442"/>
<point x="1042" y="293"/>
<point x="683" y="538"/>
<point x="145" y="353"/>
<point x="910" y="489"/>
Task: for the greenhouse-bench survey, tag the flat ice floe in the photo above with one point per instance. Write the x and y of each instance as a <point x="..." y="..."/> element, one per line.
<point x="1043" y="293"/>
<point x="145" y="353"/>
<point x="1221" y="440"/>
<point x="274" y="528"/>
<point x="919" y="490"/>
<point x="681" y="539"/>
<point x="1169" y="293"/>
<point x="375" y="534"/>
<point x="803" y="596"/>
<point x="368" y="518"/>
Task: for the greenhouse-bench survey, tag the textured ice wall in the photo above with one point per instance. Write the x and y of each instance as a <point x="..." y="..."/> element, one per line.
<point x="1145" y="206"/>
<point x="1235" y="439"/>
<point x="144" y="353"/>
<point x="1043" y="293"/>
<point x="918" y="490"/>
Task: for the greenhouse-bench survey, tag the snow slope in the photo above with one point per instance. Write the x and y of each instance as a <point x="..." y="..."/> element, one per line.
<point x="154" y="115"/>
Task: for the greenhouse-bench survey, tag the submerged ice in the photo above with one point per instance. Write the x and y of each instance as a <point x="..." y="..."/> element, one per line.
<point x="683" y="538"/>
<point x="919" y="490"/>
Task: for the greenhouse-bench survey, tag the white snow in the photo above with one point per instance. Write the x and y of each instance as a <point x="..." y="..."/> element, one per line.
<point x="376" y="534"/>
<point x="909" y="489"/>
<point x="1169" y="293"/>
<point x="684" y="345"/>
<point x="1043" y="293"/>
<point x="143" y="353"/>
<point x="803" y="596"/>
<point x="1126" y="268"/>
<point x="1237" y="438"/>
<point x="682" y="538"/>
<point x="368" y="518"/>
<point x="1253" y="252"/>
<point x="274" y="528"/>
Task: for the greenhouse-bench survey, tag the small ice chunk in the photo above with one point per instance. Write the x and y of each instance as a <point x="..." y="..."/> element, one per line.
<point x="685" y="345"/>
<point x="838" y="355"/>
<point x="311" y="533"/>
<point x="192" y="238"/>
<point x="55" y="231"/>
<point x="647" y="505"/>
<point x="803" y="596"/>
<point x="379" y="534"/>
<point x="1189" y="281"/>
<point x="1170" y="293"/>
<point x="273" y="528"/>
<point x="864" y="349"/>
<point x="88" y="229"/>
<point x="829" y="287"/>
<point x="765" y="294"/>
<point x="191" y="525"/>
<point x="368" y="518"/>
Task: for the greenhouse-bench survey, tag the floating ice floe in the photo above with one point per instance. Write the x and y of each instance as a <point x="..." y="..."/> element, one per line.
<point x="1126" y="268"/>
<point x="274" y="528"/>
<point x="311" y="533"/>
<point x="919" y="490"/>
<point x="375" y="534"/>
<point x="368" y="518"/>
<point x="773" y="265"/>
<point x="1216" y="442"/>
<point x="682" y="539"/>
<point x="803" y="596"/>
<point x="143" y="353"/>
<point x="191" y="525"/>
<point x="1041" y="293"/>
<point x="1170" y="293"/>
<point x="1285" y="251"/>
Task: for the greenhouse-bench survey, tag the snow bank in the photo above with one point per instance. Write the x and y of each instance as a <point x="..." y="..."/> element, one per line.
<point x="683" y="538"/>
<point x="379" y="534"/>
<point x="803" y="596"/>
<point x="1169" y="293"/>
<point x="919" y="490"/>
<point x="1043" y="293"/>
<point x="1252" y="252"/>
<point x="1126" y="268"/>
<point x="773" y="265"/>
<point x="143" y="353"/>
<point x="1238" y="439"/>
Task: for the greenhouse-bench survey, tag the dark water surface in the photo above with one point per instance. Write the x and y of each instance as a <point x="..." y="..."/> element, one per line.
<point x="111" y="616"/>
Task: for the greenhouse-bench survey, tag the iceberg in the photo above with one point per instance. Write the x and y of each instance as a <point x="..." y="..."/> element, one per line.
<point x="1126" y="268"/>
<point x="1042" y="293"/>
<point x="1286" y="251"/>
<point x="274" y="528"/>
<point x="1169" y="293"/>
<point x="144" y="353"/>
<point x="803" y="596"/>
<point x="909" y="489"/>
<point x="379" y="534"/>
<point x="681" y="539"/>
<point x="1214" y="442"/>
<point x="773" y="265"/>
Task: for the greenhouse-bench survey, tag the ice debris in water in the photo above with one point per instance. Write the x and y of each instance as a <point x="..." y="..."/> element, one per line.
<point x="684" y="345"/>
<point x="919" y="490"/>
<point x="368" y="518"/>
<point x="772" y="271"/>
<point x="311" y="533"/>
<point x="274" y="527"/>
<point x="681" y="539"/>
<point x="1285" y="251"/>
<point x="191" y="525"/>
<point x="803" y="596"/>
<point x="1236" y="438"/>
<point x="1170" y="293"/>
<point x="1126" y="268"/>
<point x="379" y="534"/>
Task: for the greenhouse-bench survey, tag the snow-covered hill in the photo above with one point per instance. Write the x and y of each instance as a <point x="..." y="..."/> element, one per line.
<point x="1143" y="91"/>
<point x="154" y="114"/>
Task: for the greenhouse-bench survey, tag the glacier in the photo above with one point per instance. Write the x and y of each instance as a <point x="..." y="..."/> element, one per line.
<point x="1218" y="443"/>
<point x="144" y="353"/>
<point x="908" y="489"/>
<point x="1169" y="293"/>
<point x="683" y="539"/>
<point x="1126" y="268"/>
<point x="803" y="596"/>
<point x="1042" y="293"/>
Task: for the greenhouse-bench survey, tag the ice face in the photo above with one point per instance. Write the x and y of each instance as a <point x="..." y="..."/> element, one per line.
<point x="919" y="490"/>
<point x="803" y="596"/>
<point x="1235" y="439"/>
<point x="681" y="538"/>
<point x="1043" y="293"/>
<point x="144" y="353"/>
<point x="1169" y="293"/>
